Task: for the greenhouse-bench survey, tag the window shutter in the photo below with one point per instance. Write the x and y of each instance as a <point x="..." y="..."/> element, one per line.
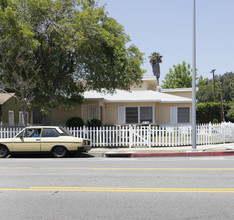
<point x="173" y="115"/>
<point x="121" y="115"/>
<point x="11" y="118"/>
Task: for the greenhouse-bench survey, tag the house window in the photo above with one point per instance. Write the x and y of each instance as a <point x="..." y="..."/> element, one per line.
<point x="21" y="118"/>
<point x="11" y="118"/>
<point x="146" y="114"/>
<point x="179" y="115"/>
<point x="135" y="115"/>
<point x="92" y="111"/>
<point x="183" y="115"/>
<point x="131" y="115"/>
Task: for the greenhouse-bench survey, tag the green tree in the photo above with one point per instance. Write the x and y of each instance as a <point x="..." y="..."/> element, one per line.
<point x="227" y="81"/>
<point x="178" y="77"/>
<point x="230" y="112"/>
<point x="155" y="60"/>
<point x="70" y="46"/>
<point x="206" y="89"/>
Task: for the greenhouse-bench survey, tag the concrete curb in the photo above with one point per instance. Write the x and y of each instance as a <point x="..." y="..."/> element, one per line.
<point x="176" y="154"/>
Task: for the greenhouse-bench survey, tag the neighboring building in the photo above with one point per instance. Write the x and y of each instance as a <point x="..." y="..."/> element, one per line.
<point x="140" y="105"/>
<point x="10" y="114"/>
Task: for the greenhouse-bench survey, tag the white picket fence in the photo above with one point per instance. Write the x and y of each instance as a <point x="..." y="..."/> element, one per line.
<point x="147" y="136"/>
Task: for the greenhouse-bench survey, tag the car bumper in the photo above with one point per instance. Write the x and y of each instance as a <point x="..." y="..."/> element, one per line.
<point x="85" y="148"/>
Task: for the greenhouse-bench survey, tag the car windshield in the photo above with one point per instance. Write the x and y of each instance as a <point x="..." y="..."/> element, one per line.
<point x="64" y="132"/>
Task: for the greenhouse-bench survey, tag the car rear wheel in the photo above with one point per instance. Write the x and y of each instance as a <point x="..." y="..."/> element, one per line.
<point x="3" y="151"/>
<point x="59" y="152"/>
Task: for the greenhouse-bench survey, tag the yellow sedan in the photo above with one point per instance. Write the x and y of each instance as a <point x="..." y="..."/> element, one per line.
<point x="56" y="140"/>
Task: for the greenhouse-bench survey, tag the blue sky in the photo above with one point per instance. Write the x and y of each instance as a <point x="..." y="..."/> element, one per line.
<point x="165" y="26"/>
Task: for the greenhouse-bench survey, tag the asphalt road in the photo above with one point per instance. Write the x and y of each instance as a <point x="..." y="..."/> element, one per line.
<point x="117" y="188"/>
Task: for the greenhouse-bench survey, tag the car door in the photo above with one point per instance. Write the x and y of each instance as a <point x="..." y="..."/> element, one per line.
<point x="29" y="140"/>
<point x="49" y="138"/>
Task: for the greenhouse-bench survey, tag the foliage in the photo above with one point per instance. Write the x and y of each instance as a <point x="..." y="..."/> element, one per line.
<point x="207" y="112"/>
<point x="230" y="112"/>
<point x="75" y="122"/>
<point x="94" y="122"/>
<point x="155" y="60"/>
<point x="178" y="77"/>
<point x="227" y="81"/>
<point x="69" y="46"/>
<point x="206" y="89"/>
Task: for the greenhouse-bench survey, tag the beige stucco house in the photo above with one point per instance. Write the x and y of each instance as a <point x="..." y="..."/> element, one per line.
<point x="140" y="105"/>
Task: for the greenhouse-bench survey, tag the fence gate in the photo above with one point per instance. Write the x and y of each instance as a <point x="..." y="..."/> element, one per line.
<point x="139" y="136"/>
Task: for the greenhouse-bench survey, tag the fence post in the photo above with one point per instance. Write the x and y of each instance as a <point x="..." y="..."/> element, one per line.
<point x="130" y="136"/>
<point x="223" y="131"/>
<point x="149" y="136"/>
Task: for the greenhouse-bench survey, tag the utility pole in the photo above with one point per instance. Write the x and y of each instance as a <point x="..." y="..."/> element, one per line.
<point x="212" y="71"/>
<point x="194" y="119"/>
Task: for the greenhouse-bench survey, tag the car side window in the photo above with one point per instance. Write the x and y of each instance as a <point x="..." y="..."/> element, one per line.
<point x="49" y="132"/>
<point x="30" y="133"/>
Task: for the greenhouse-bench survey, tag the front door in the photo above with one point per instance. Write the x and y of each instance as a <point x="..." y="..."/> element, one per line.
<point x="28" y="140"/>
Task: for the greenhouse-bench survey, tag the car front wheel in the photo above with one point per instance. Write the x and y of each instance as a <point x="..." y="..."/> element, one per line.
<point x="3" y="151"/>
<point x="59" y="152"/>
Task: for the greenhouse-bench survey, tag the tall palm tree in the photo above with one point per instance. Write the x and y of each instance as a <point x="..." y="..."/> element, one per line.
<point x="155" y="60"/>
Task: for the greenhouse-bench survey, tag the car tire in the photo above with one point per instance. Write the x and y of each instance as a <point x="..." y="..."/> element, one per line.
<point x="3" y="151"/>
<point x="59" y="152"/>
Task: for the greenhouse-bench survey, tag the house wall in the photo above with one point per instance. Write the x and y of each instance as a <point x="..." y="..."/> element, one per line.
<point x="186" y="94"/>
<point x="60" y="116"/>
<point x="10" y="105"/>
<point x="148" y="83"/>
<point x="163" y="111"/>
<point x="110" y="111"/>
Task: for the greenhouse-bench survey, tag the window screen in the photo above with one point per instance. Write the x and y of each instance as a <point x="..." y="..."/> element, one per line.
<point x="183" y="115"/>
<point x="132" y="115"/>
<point x="146" y="114"/>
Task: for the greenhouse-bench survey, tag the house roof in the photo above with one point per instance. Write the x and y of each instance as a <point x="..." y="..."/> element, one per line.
<point x="136" y="96"/>
<point x="5" y="96"/>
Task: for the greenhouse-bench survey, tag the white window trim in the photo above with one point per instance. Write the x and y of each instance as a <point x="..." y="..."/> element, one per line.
<point x="122" y="113"/>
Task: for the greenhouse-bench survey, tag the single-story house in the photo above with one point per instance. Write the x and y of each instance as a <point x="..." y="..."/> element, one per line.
<point x="10" y="113"/>
<point x="139" y="105"/>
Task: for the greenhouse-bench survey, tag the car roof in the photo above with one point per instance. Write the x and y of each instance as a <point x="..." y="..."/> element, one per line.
<point x="42" y="127"/>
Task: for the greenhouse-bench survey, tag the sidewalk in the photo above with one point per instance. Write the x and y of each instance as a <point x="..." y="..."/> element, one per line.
<point x="202" y="150"/>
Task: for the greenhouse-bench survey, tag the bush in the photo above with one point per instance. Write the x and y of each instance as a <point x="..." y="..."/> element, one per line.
<point x="207" y="112"/>
<point x="94" y="122"/>
<point x="75" y="122"/>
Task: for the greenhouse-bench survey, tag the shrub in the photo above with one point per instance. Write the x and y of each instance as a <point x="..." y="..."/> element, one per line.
<point x="75" y="122"/>
<point x="207" y="112"/>
<point x="94" y="122"/>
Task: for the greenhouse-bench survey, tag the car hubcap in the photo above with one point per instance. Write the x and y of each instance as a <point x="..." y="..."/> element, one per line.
<point x="59" y="151"/>
<point x="2" y="151"/>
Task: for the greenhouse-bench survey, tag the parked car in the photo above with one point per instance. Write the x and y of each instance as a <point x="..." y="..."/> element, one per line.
<point x="56" y="140"/>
